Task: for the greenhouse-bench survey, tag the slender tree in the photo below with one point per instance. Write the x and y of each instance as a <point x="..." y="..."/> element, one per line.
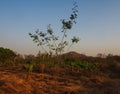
<point x="56" y="44"/>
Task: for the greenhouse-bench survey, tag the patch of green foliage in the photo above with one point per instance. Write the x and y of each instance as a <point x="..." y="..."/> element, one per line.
<point x="81" y="65"/>
<point x="29" y="65"/>
<point x="6" y="56"/>
<point x="113" y="63"/>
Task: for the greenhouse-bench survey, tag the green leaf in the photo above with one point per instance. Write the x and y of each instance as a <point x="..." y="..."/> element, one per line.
<point x="75" y="39"/>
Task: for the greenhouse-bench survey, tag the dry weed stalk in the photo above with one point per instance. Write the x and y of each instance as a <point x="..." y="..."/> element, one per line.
<point x="42" y="67"/>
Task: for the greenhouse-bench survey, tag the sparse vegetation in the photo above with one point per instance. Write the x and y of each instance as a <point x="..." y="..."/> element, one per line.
<point x="53" y="72"/>
<point x="78" y="74"/>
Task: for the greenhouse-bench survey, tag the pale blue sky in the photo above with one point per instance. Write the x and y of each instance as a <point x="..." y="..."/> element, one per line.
<point x="98" y="24"/>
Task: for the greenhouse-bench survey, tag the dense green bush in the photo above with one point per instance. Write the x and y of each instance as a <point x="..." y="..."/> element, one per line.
<point x="6" y="55"/>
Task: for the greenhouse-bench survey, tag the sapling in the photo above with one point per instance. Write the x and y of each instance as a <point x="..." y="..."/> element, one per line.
<point x="29" y="68"/>
<point x="52" y="44"/>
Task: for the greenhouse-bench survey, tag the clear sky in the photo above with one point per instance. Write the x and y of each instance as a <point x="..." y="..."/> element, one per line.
<point x="98" y="24"/>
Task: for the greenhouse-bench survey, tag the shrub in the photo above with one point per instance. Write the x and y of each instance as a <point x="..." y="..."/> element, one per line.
<point x="6" y="55"/>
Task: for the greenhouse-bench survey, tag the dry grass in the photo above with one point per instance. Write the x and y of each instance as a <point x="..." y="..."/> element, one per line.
<point x="14" y="80"/>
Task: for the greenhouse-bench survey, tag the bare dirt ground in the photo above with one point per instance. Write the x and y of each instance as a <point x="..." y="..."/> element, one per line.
<point x="15" y="81"/>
